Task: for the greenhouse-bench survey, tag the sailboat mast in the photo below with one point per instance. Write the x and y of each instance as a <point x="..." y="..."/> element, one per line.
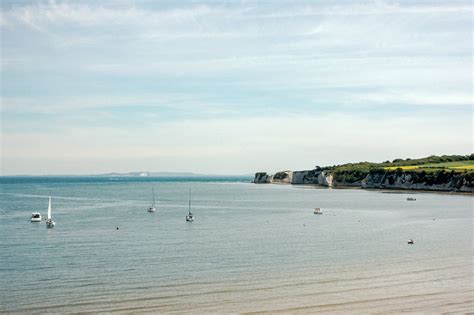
<point x="49" y="208"/>
<point x="153" y="193"/>
<point x="189" y="208"/>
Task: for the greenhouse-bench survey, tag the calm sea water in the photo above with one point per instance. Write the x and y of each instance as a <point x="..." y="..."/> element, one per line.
<point x="252" y="248"/>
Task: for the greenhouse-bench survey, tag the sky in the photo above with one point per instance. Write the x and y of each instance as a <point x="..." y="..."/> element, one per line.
<point x="231" y="87"/>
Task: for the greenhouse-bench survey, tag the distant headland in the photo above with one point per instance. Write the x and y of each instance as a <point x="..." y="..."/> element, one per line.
<point x="438" y="173"/>
<point x="143" y="174"/>
<point x="153" y="174"/>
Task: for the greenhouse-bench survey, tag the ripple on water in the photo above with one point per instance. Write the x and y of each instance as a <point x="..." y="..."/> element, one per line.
<point x="251" y="249"/>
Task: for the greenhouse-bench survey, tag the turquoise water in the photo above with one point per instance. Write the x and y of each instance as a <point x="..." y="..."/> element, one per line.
<point x="252" y="248"/>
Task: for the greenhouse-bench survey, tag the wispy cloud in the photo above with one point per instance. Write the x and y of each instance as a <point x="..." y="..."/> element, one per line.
<point x="94" y="14"/>
<point x="111" y="65"/>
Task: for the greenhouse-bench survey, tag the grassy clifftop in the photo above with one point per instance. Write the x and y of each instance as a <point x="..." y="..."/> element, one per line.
<point x="456" y="166"/>
<point x="454" y="173"/>
<point x="432" y="169"/>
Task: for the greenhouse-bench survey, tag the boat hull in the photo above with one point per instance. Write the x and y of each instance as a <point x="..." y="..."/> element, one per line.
<point x="35" y="217"/>
<point x="317" y="211"/>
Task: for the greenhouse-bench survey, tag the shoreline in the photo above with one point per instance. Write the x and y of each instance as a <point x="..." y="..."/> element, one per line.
<point x="384" y="190"/>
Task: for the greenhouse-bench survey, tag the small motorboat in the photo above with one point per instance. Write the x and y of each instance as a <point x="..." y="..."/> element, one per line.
<point x="35" y="217"/>
<point x="411" y="199"/>
<point x="410" y="241"/>
<point x="317" y="211"/>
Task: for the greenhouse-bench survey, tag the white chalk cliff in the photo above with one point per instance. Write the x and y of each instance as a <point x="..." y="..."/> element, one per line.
<point x="459" y="182"/>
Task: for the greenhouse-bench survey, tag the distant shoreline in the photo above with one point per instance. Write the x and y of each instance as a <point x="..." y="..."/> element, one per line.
<point x="162" y="175"/>
<point x="384" y="190"/>
<point x="423" y="191"/>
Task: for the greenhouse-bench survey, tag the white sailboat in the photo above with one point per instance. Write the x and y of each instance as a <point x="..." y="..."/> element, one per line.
<point x="190" y="216"/>
<point x="49" y="222"/>
<point x="152" y="208"/>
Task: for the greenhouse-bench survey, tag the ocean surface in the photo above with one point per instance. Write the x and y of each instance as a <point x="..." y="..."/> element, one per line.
<point x="252" y="248"/>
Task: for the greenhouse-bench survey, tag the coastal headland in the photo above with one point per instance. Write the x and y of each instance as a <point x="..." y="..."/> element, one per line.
<point x="453" y="173"/>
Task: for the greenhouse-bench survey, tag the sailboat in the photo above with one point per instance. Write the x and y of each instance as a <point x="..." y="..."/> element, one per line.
<point x="49" y="222"/>
<point x="152" y="208"/>
<point x="190" y="216"/>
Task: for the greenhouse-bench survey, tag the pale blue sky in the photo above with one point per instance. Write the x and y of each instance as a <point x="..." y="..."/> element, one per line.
<point x="231" y="87"/>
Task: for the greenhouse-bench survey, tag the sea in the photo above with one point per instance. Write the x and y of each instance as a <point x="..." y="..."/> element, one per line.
<point x="253" y="248"/>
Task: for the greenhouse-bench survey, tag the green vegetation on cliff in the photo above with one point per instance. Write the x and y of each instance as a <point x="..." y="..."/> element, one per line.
<point x="459" y="165"/>
<point x="431" y="170"/>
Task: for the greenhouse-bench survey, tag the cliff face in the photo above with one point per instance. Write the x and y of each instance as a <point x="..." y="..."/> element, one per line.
<point x="284" y="177"/>
<point x="326" y="179"/>
<point x="441" y="181"/>
<point x="314" y="177"/>
<point x="437" y="181"/>
<point x="304" y="177"/>
<point x="261" y="178"/>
